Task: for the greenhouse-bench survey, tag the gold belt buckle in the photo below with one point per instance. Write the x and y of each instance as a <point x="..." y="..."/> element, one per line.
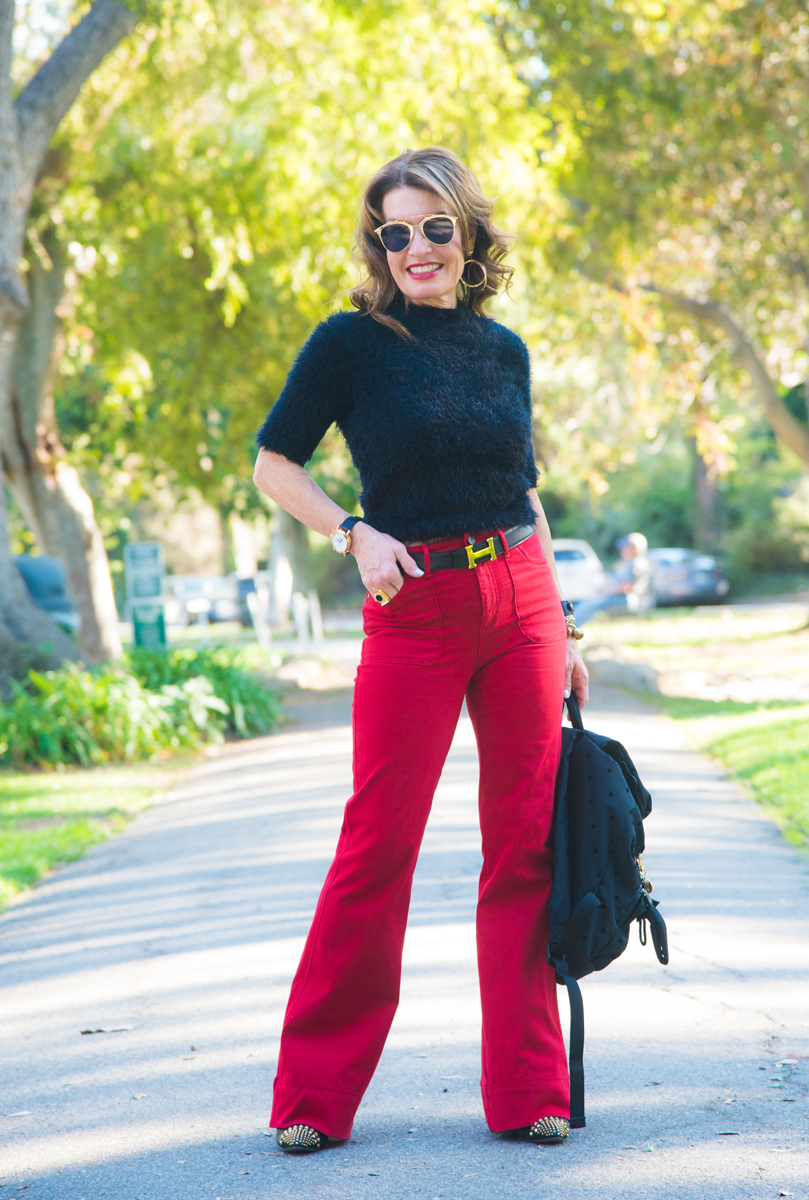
<point x="488" y="553"/>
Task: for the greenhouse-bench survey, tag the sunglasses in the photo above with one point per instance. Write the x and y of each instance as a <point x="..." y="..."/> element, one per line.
<point x="397" y="235"/>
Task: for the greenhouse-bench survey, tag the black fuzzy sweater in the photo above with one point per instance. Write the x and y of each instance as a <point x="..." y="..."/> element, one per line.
<point x="439" y="428"/>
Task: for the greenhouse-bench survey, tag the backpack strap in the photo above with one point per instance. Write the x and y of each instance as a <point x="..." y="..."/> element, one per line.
<point x="576" y="1056"/>
<point x="657" y="926"/>
<point x="574" y="711"/>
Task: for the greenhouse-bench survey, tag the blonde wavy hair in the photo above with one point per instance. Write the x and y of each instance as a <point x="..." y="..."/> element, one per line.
<point x="441" y="172"/>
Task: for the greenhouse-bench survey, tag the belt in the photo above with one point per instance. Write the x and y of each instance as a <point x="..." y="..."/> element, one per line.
<point x="471" y="556"/>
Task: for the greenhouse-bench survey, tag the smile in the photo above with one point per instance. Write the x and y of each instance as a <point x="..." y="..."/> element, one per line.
<point x="424" y="270"/>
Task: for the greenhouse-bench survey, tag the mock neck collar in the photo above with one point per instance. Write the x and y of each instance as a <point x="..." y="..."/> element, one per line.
<point x="422" y="313"/>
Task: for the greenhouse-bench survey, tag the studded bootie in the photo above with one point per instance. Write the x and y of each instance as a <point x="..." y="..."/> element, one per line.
<point x="303" y="1139"/>
<point x="547" y="1131"/>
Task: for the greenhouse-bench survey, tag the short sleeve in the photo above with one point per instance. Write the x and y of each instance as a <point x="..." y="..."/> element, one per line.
<point x="315" y="395"/>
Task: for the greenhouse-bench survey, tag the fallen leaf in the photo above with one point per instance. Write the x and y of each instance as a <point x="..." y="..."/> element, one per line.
<point x="139" y="1096"/>
<point x="729" y="1133"/>
<point x="244" y="1172"/>
<point x="25" y="1112"/>
<point x="182" y="1160"/>
<point x="110" y="1029"/>
<point x="374" y="1173"/>
<point x="189" y="1058"/>
<point x="732" y="1101"/>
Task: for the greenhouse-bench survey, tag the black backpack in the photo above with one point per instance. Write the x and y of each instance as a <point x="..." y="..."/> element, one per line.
<point x="599" y="883"/>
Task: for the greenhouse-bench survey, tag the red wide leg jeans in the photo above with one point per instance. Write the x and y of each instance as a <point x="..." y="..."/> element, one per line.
<point x="495" y="635"/>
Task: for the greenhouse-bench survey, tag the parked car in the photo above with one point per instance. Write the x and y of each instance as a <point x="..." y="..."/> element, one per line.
<point x="580" y="570"/>
<point x="188" y="594"/>
<point x="686" y="577"/>
<point x="46" y="581"/>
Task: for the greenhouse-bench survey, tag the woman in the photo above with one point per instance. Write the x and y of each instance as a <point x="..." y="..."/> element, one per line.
<point x="433" y="398"/>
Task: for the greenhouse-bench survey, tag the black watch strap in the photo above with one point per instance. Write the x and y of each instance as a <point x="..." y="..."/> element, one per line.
<point x="349" y="523"/>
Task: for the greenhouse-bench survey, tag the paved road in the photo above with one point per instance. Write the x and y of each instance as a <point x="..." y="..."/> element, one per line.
<point x="183" y="934"/>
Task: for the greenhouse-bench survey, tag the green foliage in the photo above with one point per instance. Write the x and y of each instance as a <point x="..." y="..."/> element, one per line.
<point x="204" y="189"/>
<point x="652" y="496"/>
<point x="250" y="706"/>
<point x="75" y="716"/>
<point x="209" y="217"/>
<point x="151" y="704"/>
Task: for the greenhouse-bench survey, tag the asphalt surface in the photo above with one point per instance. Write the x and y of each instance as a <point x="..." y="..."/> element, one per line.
<point x="182" y="934"/>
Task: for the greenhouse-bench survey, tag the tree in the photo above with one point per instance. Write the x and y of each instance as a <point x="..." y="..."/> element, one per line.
<point x="678" y="139"/>
<point x="210" y="224"/>
<point x="27" y="125"/>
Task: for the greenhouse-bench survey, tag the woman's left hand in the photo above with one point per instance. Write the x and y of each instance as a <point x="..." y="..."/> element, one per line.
<point x="576" y="676"/>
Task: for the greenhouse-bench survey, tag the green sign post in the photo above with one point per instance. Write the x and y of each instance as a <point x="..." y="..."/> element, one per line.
<point x="145" y="570"/>
<point x="149" y="626"/>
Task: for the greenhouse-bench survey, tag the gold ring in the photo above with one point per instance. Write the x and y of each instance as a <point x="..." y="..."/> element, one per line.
<point x="381" y="597"/>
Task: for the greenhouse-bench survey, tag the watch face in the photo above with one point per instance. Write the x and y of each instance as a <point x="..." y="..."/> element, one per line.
<point x="339" y="541"/>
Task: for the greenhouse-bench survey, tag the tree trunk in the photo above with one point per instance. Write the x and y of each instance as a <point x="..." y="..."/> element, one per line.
<point x="27" y="124"/>
<point x="20" y="619"/>
<point x="707" y="529"/>
<point x="706" y="512"/>
<point x="48" y="489"/>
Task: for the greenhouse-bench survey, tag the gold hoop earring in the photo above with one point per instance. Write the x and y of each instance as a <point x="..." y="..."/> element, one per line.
<point x="485" y="278"/>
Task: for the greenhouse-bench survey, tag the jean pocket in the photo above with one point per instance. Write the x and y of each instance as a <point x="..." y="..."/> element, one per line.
<point x="407" y="630"/>
<point x="536" y="600"/>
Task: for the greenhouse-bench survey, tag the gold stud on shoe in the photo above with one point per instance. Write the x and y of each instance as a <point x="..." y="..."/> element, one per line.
<point x="300" y="1139"/>
<point x="547" y="1131"/>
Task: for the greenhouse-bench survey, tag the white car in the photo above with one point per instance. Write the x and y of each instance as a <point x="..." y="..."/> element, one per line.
<point x="580" y="570"/>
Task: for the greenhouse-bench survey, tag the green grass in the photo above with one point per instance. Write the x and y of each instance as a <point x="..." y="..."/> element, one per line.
<point x="767" y="752"/>
<point x="54" y="818"/>
<point x="681" y="627"/>
<point x="772" y="758"/>
<point x="686" y="708"/>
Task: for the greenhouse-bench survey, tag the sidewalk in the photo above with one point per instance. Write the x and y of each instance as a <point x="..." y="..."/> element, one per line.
<point x="183" y="933"/>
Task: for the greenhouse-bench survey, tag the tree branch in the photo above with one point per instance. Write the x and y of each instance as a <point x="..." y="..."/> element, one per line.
<point x="795" y="435"/>
<point x="43" y="102"/>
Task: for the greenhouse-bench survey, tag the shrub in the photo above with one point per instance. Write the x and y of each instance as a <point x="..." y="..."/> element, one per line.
<point x="252" y="706"/>
<point x="152" y="703"/>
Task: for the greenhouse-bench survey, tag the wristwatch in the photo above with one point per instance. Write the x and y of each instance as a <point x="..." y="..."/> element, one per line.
<point x="341" y="536"/>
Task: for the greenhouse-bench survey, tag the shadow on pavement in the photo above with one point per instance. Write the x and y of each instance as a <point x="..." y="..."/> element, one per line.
<point x="187" y="930"/>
